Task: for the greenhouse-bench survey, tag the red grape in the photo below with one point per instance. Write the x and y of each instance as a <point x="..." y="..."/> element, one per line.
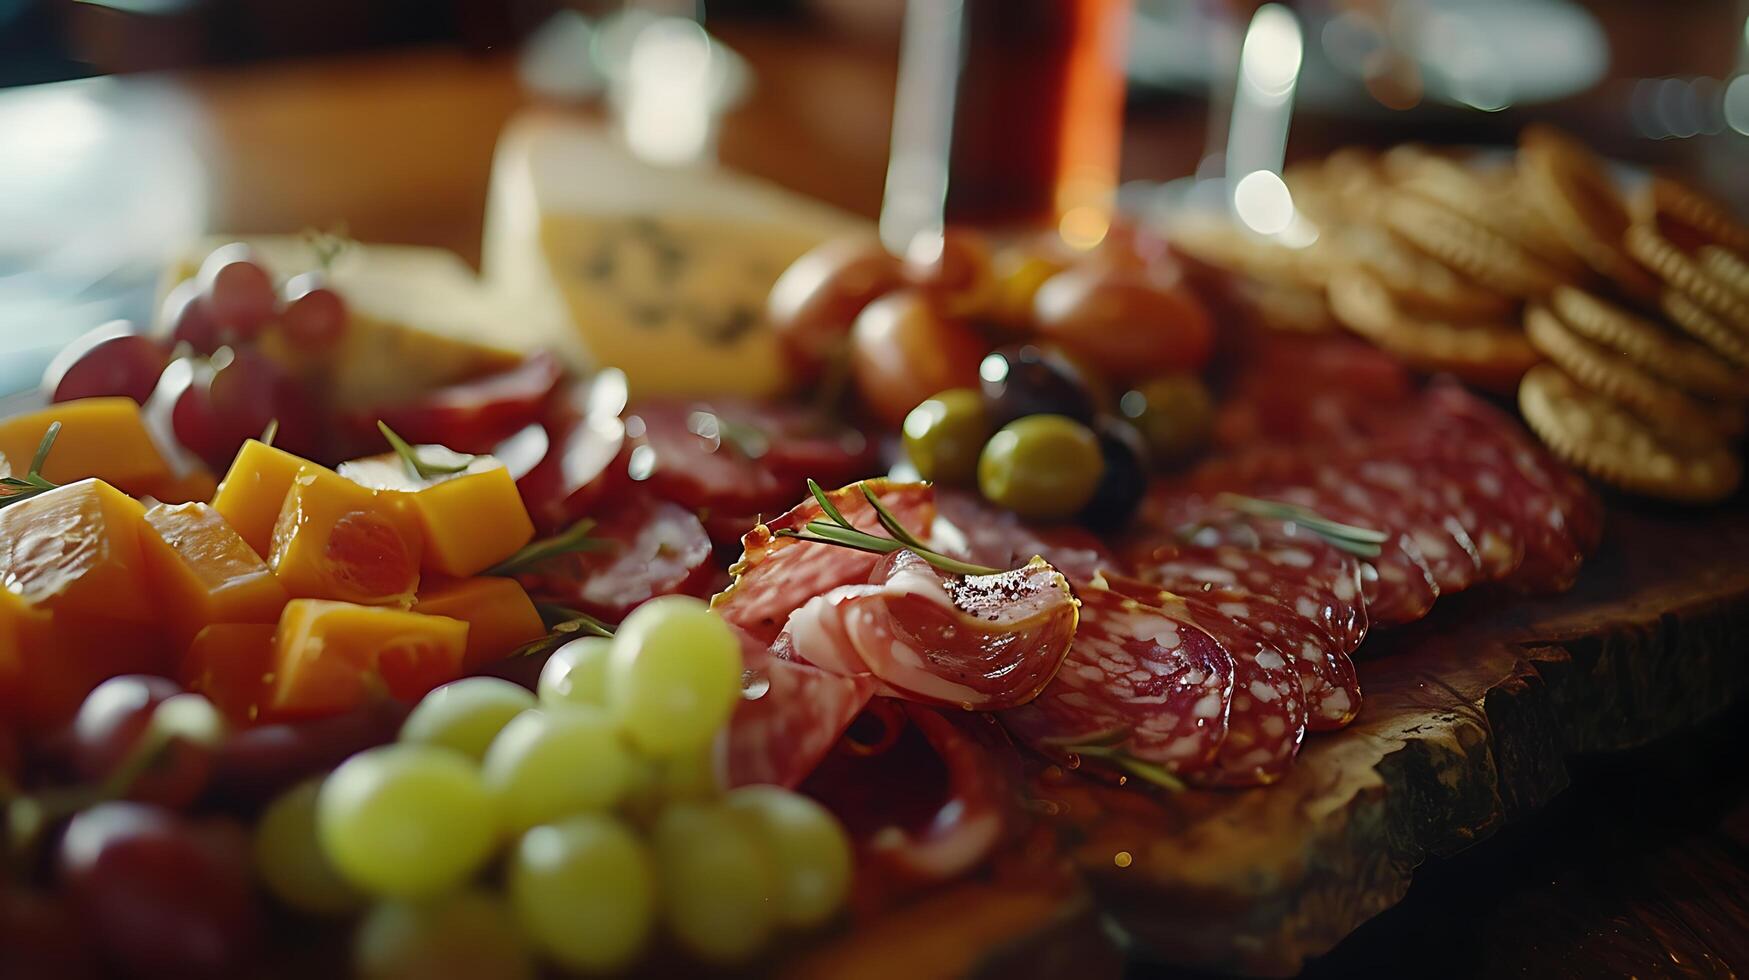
<point x="159" y="894"/>
<point x="314" y="315"/>
<point x="109" y="360"/>
<point x="108" y="727"/>
<point x="238" y="289"/>
<point x="184" y="392"/>
<point x="40" y="938"/>
<point x="262" y="761"/>
<point x="249" y="392"/>
<point x="190" y="318"/>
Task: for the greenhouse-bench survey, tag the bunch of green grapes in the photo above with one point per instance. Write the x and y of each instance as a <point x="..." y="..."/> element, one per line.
<point x="505" y="828"/>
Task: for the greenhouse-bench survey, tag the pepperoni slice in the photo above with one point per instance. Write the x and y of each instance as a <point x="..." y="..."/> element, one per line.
<point x="651" y="548"/>
<point x="790" y="716"/>
<point x="1140" y="679"/>
<point x="1267" y="719"/>
<point x="976" y="642"/>
<point x="969" y="528"/>
<point x="778" y="575"/>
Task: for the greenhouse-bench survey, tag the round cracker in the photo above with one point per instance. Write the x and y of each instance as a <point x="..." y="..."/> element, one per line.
<point x="1218" y="241"/>
<point x="1494" y="201"/>
<point x="1688" y="217"/>
<point x="1683" y="363"/>
<point x="1727" y="267"/>
<point x="1415" y="281"/>
<point x="1573" y="190"/>
<point x="1484" y="353"/>
<point x="1678" y="417"/>
<point x="1286" y="307"/>
<point x="1491" y="260"/>
<point x="1701" y="324"/>
<point x="1681" y="273"/>
<point x="1590" y="432"/>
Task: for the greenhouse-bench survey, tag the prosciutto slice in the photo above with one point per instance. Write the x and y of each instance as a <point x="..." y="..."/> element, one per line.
<point x="982" y="642"/>
<point x="790" y="716"/>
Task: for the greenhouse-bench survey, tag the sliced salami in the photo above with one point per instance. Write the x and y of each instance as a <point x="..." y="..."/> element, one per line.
<point x="1453" y="487"/>
<point x="789" y="717"/>
<point x="777" y="575"/>
<point x="969" y="528"/>
<point x="1267" y="718"/>
<point x="1140" y="680"/>
<point x="982" y="642"/>
<point x="649" y="548"/>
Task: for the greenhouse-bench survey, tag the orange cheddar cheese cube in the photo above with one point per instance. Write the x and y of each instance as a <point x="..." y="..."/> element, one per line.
<point x="337" y="540"/>
<point x="232" y="664"/>
<point x="254" y="489"/>
<point x="103" y="438"/>
<point x="332" y="656"/>
<point x="75" y="551"/>
<point x="197" y="484"/>
<point x="22" y="626"/>
<point x="498" y="612"/>
<point x="203" y="572"/>
<point x="472" y="519"/>
<point x="74" y="653"/>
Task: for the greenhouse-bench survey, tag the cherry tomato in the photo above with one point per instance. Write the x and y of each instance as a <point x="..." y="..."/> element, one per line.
<point x="109" y="360"/>
<point x="958" y="275"/>
<point x="903" y="351"/>
<point x="1019" y="272"/>
<point x="815" y="301"/>
<point x="1125" y="324"/>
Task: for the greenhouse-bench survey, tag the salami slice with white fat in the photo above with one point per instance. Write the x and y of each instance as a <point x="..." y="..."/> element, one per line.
<point x="777" y="575"/>
<point x="647" y="548"/>
<point x="1141" y="681"/>
<point x="968" y="528"/>
<point x="789" y="717"/>
<point x="981" y="642"/>
<point x="1267" y="718"/>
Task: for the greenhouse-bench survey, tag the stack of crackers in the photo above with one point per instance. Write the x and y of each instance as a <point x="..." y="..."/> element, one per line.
<point x="1622" y="319"/>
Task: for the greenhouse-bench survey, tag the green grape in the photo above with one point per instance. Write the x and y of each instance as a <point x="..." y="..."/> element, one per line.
<point x="466" y="715"/>
<point x="674" y="675"/>
<point x="584" y="891"/>
<point x="692" y="775"/>
<point x="290" y="860"/>
<point x="462" y="936"/>
<point x="808" y="847"/>
<point x="577" y="673"/>
<point x="716" y="881"/>
<point x="550" y="763"/>
<point x="406" y="820"/>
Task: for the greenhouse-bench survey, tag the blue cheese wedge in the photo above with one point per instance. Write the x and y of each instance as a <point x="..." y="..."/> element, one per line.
<point x="418" y="318"/>
<point x="660" y="272"/>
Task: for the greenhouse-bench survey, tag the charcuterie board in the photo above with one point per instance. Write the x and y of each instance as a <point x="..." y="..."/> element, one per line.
<point x="1469" y="720"/>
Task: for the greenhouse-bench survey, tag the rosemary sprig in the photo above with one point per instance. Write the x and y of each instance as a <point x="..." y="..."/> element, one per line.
<point x="328" y="245"/>
<point x="569" y="541"/>
<point x="836" y="530"/>
<point x="1142" y="769"/>
<point x="16" y="488"/>
<point x="1356" y="540"/>
<point x="419" y="468"/>
<point x="564" y="625"/>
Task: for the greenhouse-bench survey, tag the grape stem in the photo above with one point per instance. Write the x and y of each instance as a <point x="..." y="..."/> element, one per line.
<point x="839" y="531"/>
<point x="16" y="488"/>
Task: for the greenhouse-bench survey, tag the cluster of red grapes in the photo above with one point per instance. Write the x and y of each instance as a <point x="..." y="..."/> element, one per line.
<point x="129" y="837"/>
<point x="228" y="366"/>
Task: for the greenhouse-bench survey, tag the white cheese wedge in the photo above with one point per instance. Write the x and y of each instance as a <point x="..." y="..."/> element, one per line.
<point x="418" y="318"/>
<point x="660" y="272"/>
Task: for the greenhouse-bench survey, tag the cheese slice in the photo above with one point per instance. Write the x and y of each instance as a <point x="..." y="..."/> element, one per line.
<point x="661" y="272"/>
<point x="418" y="318"/>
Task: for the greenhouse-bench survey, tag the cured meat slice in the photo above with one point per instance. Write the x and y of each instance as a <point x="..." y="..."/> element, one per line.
<point x="790" y="716"/>
<point x="975" y="642"/>
<point x="967" y="527"/>
<point x="1499" y="544"/>
<point x="1141" y="681"/>
<point x="1196" y="541"/>
<point x="777" y="575"/>
<point x="649" y="548"/>
<point x="1267" y="719"/>
<point x="734" y="457"/>
<point x="931" y="804"/>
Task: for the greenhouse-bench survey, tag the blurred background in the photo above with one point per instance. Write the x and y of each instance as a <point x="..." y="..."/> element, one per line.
<point x="128" y="127"/>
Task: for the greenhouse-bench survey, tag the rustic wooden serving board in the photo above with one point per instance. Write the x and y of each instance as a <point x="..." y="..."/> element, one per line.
<point x="1469" y="719"/>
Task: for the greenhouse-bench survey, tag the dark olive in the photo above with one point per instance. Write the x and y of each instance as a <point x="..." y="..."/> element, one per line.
<point x="1027" y="379"/>
<point x="1125" y="479"/>
<point x="1174" y="414"/>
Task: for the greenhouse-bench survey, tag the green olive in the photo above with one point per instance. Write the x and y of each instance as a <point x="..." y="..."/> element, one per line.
<point x="1175" y="415"/>
<point x="1041" y="466"/>
<point x="944" y="434"/>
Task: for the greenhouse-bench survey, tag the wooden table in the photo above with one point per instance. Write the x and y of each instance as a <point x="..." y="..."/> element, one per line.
<point x="398" y="147"/>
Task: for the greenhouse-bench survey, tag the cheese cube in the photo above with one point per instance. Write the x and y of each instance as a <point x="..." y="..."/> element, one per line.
<point x="337" y="540"/>
<point x="660" y="272"/>
<point x="232" y="664"/>
<point x="100" y="437"/>
<point x="76" y="551"/>
<point x="254" y="490"/>
<point x="498" y="612"/>
<point x="203" y="572"/>
<point x="332" y="656"/>
<point x="472" y="519"/>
